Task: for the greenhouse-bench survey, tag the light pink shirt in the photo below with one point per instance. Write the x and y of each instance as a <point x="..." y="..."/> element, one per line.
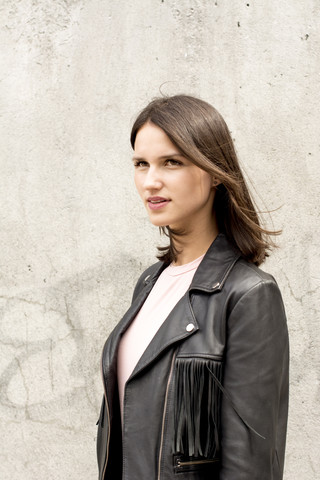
<point x="171" y="285"/>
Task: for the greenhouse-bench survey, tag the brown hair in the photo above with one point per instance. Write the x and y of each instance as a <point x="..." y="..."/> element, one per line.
<point x="198" y="130"/>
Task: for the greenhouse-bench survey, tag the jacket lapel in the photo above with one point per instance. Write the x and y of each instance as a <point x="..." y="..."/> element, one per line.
<point x="111" y="345"/>
<point x="180" y="324"/>
<point x="183" y="322"/>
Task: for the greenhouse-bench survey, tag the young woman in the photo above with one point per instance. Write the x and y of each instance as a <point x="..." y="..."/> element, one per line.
<point x="196" y="373"/>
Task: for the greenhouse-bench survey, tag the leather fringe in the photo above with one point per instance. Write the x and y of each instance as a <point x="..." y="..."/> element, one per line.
<point x="197" y="407"/>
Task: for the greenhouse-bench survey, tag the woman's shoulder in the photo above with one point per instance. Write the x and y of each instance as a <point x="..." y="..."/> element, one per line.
<point x="247" y="281"/>
<point x="251" y="274"/>
<point x="225" y="268"/>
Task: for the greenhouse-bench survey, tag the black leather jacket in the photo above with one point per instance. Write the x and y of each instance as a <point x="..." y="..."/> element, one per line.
<point x="208" y="399"/>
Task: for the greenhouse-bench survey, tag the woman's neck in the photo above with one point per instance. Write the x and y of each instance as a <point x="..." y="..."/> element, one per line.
<point x="193" y="245"/>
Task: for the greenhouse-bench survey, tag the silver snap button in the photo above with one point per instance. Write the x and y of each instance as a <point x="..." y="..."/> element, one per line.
<point x="190" y="327"/>
<point x="216" y="285"/>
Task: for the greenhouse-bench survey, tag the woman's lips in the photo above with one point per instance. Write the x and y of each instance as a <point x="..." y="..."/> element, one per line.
<point x="155" y="203"/>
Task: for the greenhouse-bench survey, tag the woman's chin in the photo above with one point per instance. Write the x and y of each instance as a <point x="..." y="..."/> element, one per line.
<point x="157" y="222"/>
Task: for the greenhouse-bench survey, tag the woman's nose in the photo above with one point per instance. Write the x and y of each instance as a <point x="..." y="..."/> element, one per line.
<point x="153" y="179"/>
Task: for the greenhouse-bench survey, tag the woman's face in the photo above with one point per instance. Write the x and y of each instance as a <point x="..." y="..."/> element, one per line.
<point x="175" y="192"/>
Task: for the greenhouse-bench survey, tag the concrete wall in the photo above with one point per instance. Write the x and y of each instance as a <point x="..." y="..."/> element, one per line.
<point x="74" y="236"/>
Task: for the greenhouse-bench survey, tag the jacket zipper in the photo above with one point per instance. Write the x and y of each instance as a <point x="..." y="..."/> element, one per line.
<point x="108" y="416"/>
<point x="194" y="462"/>
<point x="164" y="412"/>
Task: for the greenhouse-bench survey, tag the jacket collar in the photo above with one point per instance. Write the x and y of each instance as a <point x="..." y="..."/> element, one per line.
<point x="216" y="265"/>
<point x="213" y="269"/>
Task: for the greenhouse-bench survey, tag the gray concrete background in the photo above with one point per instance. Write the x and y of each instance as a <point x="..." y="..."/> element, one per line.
<point x="74" y="236"/>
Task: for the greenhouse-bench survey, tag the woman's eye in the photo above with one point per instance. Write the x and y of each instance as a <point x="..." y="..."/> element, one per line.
<point x="173" y="162"/>
<point x="140" y="163"/>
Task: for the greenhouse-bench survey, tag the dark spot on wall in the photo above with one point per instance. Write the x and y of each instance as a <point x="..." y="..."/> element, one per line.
<point x="238" y="24"/>
<point x="248" y="4"/>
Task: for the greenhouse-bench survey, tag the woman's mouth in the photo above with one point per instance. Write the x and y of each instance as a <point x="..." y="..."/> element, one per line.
<point x="155" y="203"/>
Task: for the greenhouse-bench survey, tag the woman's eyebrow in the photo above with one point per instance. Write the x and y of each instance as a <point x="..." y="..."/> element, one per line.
<point x="171" y="155"/>
<point x="167" y="155"/>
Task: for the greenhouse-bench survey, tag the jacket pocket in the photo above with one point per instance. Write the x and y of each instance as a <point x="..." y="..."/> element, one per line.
<point x="197" y="404"/>
<point x="193" y="464"/>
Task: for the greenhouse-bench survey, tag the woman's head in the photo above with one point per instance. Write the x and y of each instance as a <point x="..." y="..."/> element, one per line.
<point x="200" y="133"/>
<point x="176" y="193"/>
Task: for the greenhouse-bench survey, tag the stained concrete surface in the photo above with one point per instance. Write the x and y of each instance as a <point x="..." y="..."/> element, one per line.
<point x="74" y="236"/>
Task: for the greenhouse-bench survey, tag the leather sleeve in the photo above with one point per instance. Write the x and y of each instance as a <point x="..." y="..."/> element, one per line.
<point x="256" y="379"/>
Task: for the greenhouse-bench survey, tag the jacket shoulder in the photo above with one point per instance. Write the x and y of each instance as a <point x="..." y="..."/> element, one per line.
<point x="246" y="275"/>
<point x="246" y="280"/>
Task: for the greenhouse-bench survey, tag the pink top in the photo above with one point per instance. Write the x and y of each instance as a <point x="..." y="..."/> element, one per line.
<point x="171" y="285"/>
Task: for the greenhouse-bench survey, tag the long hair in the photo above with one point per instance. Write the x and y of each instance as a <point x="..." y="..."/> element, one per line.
<point x="200" y="133"/>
